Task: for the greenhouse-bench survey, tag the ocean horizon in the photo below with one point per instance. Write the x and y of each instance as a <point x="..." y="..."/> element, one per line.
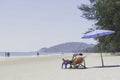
<point x="29" y="54"/>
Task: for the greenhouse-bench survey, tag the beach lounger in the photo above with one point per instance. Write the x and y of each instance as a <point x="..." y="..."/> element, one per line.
<point x="76" y="63"/>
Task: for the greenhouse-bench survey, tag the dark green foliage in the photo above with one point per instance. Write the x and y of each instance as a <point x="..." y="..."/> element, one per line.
<point x="106" y="13"/>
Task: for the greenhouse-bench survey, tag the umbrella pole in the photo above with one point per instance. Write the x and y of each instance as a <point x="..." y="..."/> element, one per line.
<point x="84" y="64"/>
<point x="101" y="57"/>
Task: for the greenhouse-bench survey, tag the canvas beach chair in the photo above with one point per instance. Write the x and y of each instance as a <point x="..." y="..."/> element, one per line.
<point x="78" y="63"/>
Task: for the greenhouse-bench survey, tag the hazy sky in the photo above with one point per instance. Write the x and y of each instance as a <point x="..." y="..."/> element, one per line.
<point x="28" y="25"/>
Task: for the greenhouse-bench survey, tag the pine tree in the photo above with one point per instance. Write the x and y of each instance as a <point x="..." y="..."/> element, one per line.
<point x="106" y="13"/>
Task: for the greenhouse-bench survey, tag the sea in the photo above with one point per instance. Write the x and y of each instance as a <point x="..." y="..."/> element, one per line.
<point x="29" y="54"/>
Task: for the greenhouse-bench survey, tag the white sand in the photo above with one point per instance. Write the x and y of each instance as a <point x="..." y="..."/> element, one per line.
<point x="49" y="68"/>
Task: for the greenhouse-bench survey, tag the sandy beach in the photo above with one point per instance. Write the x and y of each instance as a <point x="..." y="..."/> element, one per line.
<point x="49" y="68"/>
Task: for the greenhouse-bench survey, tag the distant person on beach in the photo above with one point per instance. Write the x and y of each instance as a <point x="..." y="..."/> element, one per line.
<point x="38" y="54"/>
<point x="7" y="54"/>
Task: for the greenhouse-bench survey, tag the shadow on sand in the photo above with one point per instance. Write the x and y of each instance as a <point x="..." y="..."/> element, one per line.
<point x="107" y="66"/>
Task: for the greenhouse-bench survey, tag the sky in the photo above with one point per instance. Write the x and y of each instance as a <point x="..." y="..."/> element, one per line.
<point x="29" y="25"/>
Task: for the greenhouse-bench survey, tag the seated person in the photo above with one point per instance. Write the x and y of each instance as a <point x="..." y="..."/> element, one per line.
<point x="74" y="60"/>
<point x="76" y="55"/>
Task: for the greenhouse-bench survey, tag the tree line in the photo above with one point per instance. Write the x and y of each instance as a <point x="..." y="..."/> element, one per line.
<point x="106" y="14"/>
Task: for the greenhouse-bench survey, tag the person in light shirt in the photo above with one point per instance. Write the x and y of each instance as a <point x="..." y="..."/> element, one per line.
<point x="76" y="55"/>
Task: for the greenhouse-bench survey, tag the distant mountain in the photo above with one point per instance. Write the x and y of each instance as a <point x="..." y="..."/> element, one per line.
<point x="67" y="47"/>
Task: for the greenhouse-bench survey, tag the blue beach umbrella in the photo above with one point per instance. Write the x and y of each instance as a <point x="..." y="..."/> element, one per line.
<point x="96" y="34"/>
